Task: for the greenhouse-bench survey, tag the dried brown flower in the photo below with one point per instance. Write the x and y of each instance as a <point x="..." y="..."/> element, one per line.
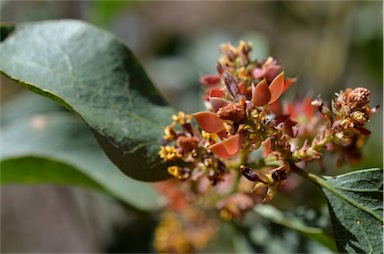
<point x="187" y="144"/>
<point x="234" y="112"/>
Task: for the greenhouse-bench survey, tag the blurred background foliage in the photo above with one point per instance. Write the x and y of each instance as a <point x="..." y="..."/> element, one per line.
<point x="328" y="45"/>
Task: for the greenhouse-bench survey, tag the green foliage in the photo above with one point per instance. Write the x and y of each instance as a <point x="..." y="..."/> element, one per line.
<point x="355" y="202"/>
<point x="57" y="148"/>
<point x="278" y="217"/>
<point x="270" y="230"/>
<point x="103" y="12"/>
<point x="90" y="72"/>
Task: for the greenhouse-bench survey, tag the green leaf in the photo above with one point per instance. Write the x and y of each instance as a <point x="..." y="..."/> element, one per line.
<point x="278" y="217"/>
<point x="42" y="170"/>
<point x="355" y="202"/>
<point x="269" y="231"/>
<point x="93" y="74"/>
<point x="57" y="148"/>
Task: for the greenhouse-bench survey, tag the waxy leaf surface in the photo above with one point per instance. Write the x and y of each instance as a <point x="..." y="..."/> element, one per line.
<point x="93" y="74"/>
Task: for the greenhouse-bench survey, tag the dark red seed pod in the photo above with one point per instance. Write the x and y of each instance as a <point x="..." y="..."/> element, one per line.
<point x="279" y="175"/>
<point x="250" y="174"/>
<point x="221" y="166"/>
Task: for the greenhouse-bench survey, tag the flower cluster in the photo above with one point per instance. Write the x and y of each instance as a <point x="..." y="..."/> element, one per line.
<point x="185" y="232"/>
<point x="343" y="130"/>
<point x="192" y="147"/>
<point x="248" y="141"/>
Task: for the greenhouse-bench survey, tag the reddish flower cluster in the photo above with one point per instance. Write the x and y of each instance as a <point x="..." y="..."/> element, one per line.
<point x="245" y="114"/>
<point x="343" y="130"/>
<point x="184" y="226"/>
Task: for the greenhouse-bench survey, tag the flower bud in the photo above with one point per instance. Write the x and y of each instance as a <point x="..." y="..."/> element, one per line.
<point x="359" y="97"/>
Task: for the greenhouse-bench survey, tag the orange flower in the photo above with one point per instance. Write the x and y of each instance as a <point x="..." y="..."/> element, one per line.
<point x="228" y="147"/>
<point x="268" y="70"/>
<point x="209" y="122"/>
<point x="262" y="94"/>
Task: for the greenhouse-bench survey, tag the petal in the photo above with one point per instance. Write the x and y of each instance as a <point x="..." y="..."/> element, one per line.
<point x="281" y="118"/>
<point x="271" y="72"/>
<point x="228" y="147"/>
<point x="290" y="110"/>
<point x="267" y="147"/>
<point x="288" y="82"/>
<point x="210" y="80"/>
<point x="217" y="103"/>
<point x="261" y="94"/>
<point x="289" y="128"/>
<point x="258" y="73"/>
<point x="233" y="144"/>
<point x="223" y="134"/>
<point x="276" y="108"/>
<point x="220" y="150"/>
<point x="215" y="92"/>
<point x="309" y="110"/>
<point x="241" y="86"/>
<point x="277" y="87"/>
<point x="209" y="121"/>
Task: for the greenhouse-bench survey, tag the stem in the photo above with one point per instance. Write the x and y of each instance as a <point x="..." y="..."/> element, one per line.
<point x="313" y="151"/>
<point x="310" y="177"/>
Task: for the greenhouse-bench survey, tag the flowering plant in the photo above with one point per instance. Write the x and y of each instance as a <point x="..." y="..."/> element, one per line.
<point x="229" y="160"/>
<point x="245" y="114"/>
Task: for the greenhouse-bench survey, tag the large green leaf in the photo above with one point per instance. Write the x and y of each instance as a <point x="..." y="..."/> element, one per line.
<point x="292" y="222"/>
<point x="93" y="74"/>
<point x="355" y="202"/>
<point x="57" y="148"/>
<point x="268" y="230"/>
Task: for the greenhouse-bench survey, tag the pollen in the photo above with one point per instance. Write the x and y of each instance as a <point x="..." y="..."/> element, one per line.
<point x="211" y="138"/>
<point x="182" y="118"/>
<point x="169" y="153"/>
<point x="179" y="172"/>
